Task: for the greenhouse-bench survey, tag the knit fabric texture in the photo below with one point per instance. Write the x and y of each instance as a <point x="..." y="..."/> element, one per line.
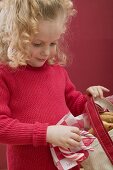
<point x="31" y="99"/>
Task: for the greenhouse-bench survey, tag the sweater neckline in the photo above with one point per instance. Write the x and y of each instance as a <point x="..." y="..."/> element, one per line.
<point x="44" y="67"/>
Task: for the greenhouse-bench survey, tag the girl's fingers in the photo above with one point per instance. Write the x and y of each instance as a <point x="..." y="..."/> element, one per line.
<point x="97" y="91"/>
<point x="72" y="143"/>
<point x="90" y="91"/>
<point x="66" y="146"/>
<point x="93" y="91"/>
<point x="75" y="130"/>
<point x="76" y="137"/>
<point x="104" y="89"/>
<point x="100" y="91"/>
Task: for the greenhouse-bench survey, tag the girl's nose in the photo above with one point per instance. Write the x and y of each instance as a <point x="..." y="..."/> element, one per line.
<point x="46" y="51"/>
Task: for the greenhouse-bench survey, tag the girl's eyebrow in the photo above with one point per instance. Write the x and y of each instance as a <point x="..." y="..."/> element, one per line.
<point x="44" y="41"/>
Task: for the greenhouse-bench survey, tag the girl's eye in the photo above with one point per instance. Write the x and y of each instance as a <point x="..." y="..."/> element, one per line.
<point x="40" y="44"/>
<point x="37" y="45"/>
<point x="52" y="44"/>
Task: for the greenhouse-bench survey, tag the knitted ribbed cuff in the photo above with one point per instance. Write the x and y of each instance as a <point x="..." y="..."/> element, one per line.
<point x="39" y="134"/>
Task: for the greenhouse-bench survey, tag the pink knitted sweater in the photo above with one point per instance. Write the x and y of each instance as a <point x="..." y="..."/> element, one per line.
<point x="30" y="100"/>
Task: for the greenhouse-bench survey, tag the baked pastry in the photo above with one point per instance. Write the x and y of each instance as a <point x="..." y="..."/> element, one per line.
<point x="107" y="119"/>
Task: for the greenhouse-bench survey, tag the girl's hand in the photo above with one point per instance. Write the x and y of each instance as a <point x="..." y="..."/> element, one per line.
<point x="97" y="91"/>
<point x="63" y="136"/>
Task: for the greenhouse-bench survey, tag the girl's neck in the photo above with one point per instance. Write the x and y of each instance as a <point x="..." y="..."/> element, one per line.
<point x="37" y="68"/>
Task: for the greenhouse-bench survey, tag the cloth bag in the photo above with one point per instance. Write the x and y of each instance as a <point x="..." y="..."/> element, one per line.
<point x="65" y="159"/>
<point x="102" y="157"/>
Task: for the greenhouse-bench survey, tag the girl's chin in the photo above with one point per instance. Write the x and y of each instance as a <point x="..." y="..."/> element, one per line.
<point x="36" y="64"/>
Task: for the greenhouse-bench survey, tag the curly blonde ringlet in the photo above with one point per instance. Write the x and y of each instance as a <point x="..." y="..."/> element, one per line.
<point x="19" y="20"/>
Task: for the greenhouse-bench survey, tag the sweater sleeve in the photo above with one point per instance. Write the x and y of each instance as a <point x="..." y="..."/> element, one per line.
<point x="75" y="100"/>
<point x="12" y="131"/>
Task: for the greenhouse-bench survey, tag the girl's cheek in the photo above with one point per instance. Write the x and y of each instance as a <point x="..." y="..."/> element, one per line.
<point x="54" y="50"/>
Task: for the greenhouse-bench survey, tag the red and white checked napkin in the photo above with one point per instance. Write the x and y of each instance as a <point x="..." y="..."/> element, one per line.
<point x="65" y="159"/>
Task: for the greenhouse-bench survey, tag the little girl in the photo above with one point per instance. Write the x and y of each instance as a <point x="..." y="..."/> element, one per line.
<point x="35" y="90"/>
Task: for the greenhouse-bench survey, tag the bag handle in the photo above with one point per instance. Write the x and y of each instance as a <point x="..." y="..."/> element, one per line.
<point x="99" y="128"/>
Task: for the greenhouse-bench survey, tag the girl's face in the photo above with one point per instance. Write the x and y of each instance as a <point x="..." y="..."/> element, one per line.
<point x="44" y="44"/>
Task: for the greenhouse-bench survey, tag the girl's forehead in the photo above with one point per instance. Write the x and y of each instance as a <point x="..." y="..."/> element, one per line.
<point x="49" y="30"/>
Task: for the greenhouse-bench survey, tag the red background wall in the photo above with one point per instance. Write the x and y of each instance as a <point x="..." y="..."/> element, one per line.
<point x="91" y="44"/>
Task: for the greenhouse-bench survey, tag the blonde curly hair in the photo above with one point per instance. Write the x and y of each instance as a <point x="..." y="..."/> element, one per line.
<point x="19" y="19"/>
